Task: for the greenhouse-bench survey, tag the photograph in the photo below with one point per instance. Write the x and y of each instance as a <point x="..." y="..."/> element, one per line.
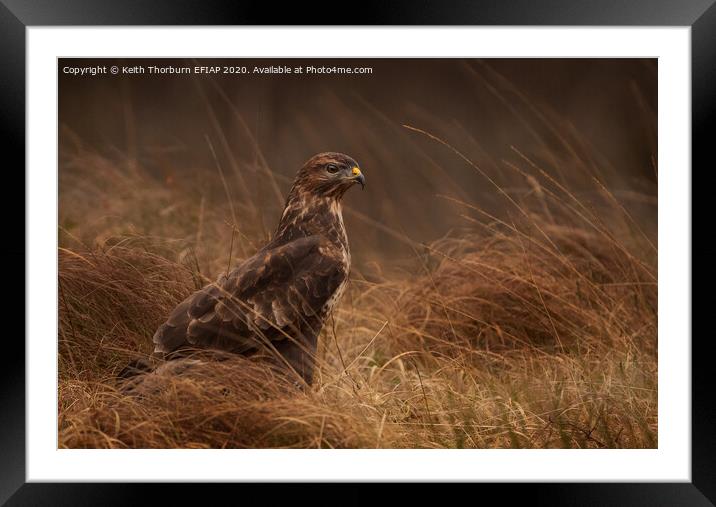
<point x="357" y="253"/>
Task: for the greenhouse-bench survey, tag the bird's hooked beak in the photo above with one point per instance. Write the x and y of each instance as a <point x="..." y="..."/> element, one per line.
<point x="358" y="177"/>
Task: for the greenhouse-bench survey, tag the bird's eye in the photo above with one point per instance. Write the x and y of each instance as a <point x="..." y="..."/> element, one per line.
<point x="331" y="168"/>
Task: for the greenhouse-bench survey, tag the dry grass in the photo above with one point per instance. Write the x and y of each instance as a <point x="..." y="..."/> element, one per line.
<point x="537" y="328"/>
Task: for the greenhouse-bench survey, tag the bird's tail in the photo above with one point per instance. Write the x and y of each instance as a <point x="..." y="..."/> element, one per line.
<point x="136" y="367"/>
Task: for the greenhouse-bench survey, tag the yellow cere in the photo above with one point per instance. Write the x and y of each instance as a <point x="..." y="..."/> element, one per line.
<point x="356" y="171"/>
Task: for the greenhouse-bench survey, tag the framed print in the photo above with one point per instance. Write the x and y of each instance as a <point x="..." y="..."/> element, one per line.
<point x="450" y="245"/>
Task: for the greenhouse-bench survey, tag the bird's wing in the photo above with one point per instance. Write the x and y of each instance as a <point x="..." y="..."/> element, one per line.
<point x="272" y="294"/>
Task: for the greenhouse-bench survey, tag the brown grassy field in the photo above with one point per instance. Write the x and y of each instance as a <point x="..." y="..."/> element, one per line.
<point x="531" y="327"/>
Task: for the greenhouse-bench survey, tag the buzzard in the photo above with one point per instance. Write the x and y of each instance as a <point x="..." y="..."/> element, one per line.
<point x="277" y="301"/>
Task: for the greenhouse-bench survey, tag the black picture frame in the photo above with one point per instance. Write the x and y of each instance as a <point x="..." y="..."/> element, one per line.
<point x="17" y="15"/>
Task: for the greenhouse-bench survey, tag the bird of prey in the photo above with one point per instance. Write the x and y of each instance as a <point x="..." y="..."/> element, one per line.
<point x="277" y="301"/>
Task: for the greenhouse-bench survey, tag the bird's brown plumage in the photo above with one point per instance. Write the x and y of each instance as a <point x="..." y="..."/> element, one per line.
<point x="277" y="301"/>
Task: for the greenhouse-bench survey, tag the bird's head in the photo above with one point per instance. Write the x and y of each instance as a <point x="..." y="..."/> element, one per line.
<point x="328" y="175"/>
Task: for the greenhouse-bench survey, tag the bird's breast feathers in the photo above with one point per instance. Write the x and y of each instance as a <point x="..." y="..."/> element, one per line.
<point x="337" y="295"/>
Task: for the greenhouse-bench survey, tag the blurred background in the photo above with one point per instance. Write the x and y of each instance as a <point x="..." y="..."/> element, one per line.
<point x="180" y="147"/>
